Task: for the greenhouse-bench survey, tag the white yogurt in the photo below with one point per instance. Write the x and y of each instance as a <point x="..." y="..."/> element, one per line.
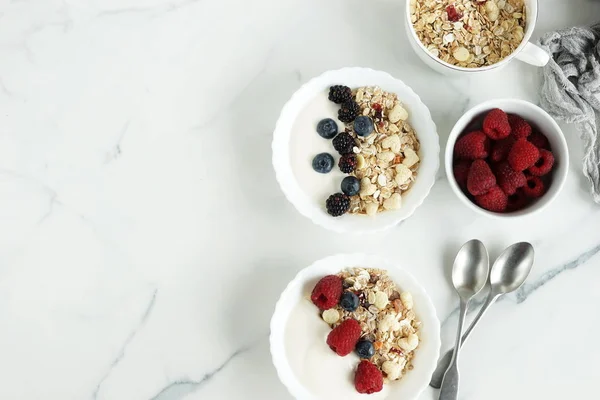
<point x="305" y="143"/>
<point x="323" y="373"/>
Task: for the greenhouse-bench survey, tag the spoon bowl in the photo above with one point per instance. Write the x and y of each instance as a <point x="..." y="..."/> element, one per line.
<point x="470" y="269"/>
<point x="512" y="268"/>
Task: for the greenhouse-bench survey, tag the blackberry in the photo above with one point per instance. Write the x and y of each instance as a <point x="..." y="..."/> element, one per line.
<point x="337" y="204"/>
<point x="340" y="94"/>
<point x="347" y="163"/>
<point x="349" y="111"/>
<point x="343" y="143"/>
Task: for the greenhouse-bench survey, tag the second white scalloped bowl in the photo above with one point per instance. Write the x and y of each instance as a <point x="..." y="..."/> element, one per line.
<point x="298" y="290"/>
<point x="419" y="118"/>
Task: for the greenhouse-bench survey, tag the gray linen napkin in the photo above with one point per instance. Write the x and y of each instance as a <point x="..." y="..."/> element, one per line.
<point x="571" y="90"/>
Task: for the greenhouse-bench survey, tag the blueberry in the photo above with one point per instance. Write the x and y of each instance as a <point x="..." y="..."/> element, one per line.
<point x="351" y="185"/>
<point x="365" y="349"/>
<point x="363" y="125"/>
<point x="323" y="163"/>
<point x="349" y="301"/>
<point x="327" y="128"/>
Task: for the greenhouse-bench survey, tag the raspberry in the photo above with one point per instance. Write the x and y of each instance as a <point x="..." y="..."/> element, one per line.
<point x="472" y="146"/>
<point x="540" y="141"/>
<point x="453" y="14"/>
<point x="350" y="110"/>
<point x="517" y="201"/>
<point x="508" y="179"/>
<point x="495" y="124"/>
<point x="480" y="178"/>
<point x="494" y="200"/>
<point x="340" y="94"/>
<point x="347" y="163"/>
<point x="543" y="165"/>
<point x="344" y="337"/>
<point x="343" y="143"/>
<point x="523" y="155"/>
<point x="368" y="378"/>
<point x="534" y="187"/>
<point x="327" y="292"/>
<point x="337" y="204"/>
<point x="501" y="148"/>
<point x="461" y="172"/>
<point x="519" y="127"/>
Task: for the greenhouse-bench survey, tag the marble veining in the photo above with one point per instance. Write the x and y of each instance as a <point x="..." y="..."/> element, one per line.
<point x="144" y="240"/>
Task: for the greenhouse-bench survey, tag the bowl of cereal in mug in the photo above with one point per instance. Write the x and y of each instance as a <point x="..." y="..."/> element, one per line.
<point x="351" y="325"/>
<point x="355" y="150"/>
<point x="455" y="37"/>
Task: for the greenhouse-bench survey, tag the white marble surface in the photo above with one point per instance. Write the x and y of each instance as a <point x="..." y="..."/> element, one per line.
<point x="144" y="240"/>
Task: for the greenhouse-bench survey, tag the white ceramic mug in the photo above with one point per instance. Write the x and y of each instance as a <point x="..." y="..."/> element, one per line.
<point x="526" y="52"/>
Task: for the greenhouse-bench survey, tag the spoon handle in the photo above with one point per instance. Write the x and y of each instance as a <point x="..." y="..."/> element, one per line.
<point x="444" y="362"/>
<point x="449" y="390"/>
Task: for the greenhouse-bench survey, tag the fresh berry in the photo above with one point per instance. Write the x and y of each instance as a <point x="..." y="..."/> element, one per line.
<point x="323" y="163"/>
<point x="348" y="111"/>
<point x="351" y="185"/>
<point x="326" y="293"/>
<point x="508" y="179"/>
<point x="342" y="339"/>
<point x="368" y="378"/>
<point x="517" y="201"/>
<point x="337" y="204"/>
<point x="495" y="124"/>
<point x="363" y="125"/>
<point x="518" y="126"/>
<point x="365" y="349"/>
<point x="327" y="128"/>
<point x="494" y="200"/>
<point x="453" y="14"/>
<point x="480" y="178"/>
<point x="347" y="163"/>
<point x="472" y="146"/>
<point x="501" y="148"/>
<point x="543" y="165"/>
<point x="523" y="155"/>
<point x="344" y="143"/>
<point x="340" y="94"/>
<point x="349" y="301"/>
<point x="539" y="140"/>
<point x="461" y="172"/>
<point x="378" y="110"/>
<point x="534" y="187"/>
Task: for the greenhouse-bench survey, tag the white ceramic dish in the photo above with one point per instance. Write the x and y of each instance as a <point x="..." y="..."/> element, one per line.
<point x="546" y="125"/>
<point x="314" y="90"/>
<point x="526" y="52"/>
<point x="426" y="356"/>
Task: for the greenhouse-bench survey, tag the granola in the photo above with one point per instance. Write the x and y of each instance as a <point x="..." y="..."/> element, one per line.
<point x="469" y="33"/>
<point x="387" y="159"/>
<point x="386" y="317"/>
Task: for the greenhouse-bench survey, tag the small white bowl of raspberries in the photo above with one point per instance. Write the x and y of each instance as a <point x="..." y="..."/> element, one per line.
<point x="506" y="158"/>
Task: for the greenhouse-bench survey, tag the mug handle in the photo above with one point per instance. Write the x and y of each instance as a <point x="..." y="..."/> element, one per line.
<point x="532" y="54"/>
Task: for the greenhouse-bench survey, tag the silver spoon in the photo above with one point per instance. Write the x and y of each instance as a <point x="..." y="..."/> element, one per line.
<point x="508" y="274"/>
<point x="469" y="275"/>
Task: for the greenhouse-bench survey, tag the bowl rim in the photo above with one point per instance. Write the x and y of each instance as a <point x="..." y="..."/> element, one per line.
<point x="287" y="181"/>
<point x="559" y="179"/>
<point x="293" y="386"/>
<point x="531" y="22"/>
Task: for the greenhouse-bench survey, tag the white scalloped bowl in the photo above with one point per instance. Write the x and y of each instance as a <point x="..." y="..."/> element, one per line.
<point x="419" y="118"/>
<point x="426" y="355"/>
